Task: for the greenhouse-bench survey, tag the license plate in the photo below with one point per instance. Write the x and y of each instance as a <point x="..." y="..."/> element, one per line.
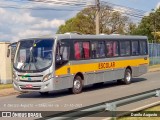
<point x="29" y="86"/>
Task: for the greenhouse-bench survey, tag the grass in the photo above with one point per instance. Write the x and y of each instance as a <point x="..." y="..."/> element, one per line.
<point x="156" y="108"/>
<point x="154" y="66"/>
<point x="5" y="86"/>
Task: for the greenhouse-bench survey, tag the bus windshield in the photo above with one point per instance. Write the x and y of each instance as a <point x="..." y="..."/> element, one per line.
<point x="34" y="55"/>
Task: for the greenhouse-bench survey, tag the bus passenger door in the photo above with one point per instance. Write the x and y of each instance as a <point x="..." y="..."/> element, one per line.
<point x="62" y="67"/>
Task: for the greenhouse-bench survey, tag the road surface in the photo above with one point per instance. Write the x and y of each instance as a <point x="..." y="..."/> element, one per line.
<point x="63" y="100"/>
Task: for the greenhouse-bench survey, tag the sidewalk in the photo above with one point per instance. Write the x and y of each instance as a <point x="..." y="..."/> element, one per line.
<point x="11" y="91"/>
<point x="8" y="91"/>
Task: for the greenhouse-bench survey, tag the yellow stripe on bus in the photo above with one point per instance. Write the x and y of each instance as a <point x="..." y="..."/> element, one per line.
<point x="91" y="67"/>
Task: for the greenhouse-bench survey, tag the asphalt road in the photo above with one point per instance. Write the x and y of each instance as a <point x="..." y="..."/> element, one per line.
<point x="63" y="100"/>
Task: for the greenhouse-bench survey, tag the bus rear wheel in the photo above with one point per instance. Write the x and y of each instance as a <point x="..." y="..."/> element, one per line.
<point x="77" y="85"/>
<point x="127" y="76"/>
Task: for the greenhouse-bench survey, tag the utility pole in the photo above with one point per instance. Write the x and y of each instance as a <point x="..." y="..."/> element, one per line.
<point x="154" y="24"/>
<point x="97" y="15"/>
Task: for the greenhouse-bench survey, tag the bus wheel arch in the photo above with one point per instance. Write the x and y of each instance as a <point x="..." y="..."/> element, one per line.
<point x="77" y="83"/>
<point x="129" y="67"/>
<point x="80" y="74"/>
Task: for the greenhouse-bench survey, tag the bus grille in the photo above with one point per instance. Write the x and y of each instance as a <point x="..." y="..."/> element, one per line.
<point x="30" y="80"/>
<point x="30" y="88"/>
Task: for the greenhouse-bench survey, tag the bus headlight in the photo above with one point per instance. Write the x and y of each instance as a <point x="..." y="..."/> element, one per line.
<point x="47" y="77"/>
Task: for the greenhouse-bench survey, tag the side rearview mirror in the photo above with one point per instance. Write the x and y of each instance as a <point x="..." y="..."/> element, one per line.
<point x="8" y="52"/>
<point x="58" y="59"/>
<point x="10" y="45"/>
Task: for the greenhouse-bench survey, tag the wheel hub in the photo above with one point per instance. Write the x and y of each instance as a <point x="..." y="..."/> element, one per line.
<point x="128" y="76"/>
<point x="77" y="84"/>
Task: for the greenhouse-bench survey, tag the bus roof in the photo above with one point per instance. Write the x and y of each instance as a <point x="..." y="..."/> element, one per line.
<point x="84" y="36"/>
<point x="101" y="36"/>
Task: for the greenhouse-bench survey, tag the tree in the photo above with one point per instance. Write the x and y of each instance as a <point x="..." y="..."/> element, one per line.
<point x="149" y="25"/>
<point x="84" y="22"/>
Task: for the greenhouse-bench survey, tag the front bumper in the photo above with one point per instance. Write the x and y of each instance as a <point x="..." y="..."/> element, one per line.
<point x="33" y="86"/>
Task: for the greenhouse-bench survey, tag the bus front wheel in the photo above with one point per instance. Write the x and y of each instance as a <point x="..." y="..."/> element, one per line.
<point x="77" y="85"/>
<point x="127" y="76"/>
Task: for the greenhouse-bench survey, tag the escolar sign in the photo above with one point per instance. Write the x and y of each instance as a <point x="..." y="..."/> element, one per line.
<point x="105" y="65"/>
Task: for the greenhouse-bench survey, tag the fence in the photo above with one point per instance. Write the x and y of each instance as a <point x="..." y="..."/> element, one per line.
<point x="154" y="53"/>
<point x="107" y="107"/>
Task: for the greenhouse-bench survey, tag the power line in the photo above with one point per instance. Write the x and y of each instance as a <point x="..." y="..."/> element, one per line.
<point x="61" y="3"/>
<point x="43" y="8"/>
<point x="126" y="10"/>
<point x="129" y="14"/>
<point x="129" y="8"/>
<point x="31" y="8"/>
<point x="49" y="2"/>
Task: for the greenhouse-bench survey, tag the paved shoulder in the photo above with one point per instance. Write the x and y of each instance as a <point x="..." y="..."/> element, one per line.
<point x="8" y="91"/>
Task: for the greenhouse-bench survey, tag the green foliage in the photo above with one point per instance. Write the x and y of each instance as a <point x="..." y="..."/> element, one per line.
<point x="84" y="22"/>
<point x="149" y="25"/>
<point x="113" y="22"/>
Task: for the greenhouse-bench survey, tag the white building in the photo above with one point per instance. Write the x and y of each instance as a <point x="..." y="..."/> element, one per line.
<point x="5" y="64"/>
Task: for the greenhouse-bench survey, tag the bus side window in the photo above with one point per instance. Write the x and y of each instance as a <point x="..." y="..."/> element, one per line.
<point x="125" y="48"/>
<point x="98" y="49"/>
<point x="86" y="50"/>
<point x="62" y="53"/>
<point x="115" y="49"/>
<point x="143" y="47"/>
<point x="93" y="49"/>
<point x="112" y="49"/>
<point x="77" y="50"/>
<point x="135" y="48"/>
<point x="109" y="47"/>
<point x="81" y="50"/>
<point x="101" y="49"/>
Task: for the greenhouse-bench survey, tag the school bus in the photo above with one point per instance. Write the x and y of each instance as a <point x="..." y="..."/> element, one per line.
<point x="74" y="61"/>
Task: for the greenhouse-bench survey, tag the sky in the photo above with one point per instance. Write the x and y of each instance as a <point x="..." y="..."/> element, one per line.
<point x="16" y="24"/>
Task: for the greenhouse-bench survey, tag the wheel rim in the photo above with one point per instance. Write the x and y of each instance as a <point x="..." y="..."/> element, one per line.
<point x="77" y="84"/>
<point x="128" y="76"/>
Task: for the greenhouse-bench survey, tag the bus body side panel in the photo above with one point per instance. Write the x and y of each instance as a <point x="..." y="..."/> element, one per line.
<point x="63" y="77"/>
<point x="89" y="78"/>
<point x="118" y="73"/>
<point x="135" y="71"/>
<point x="99" y="70"/>
<point x="142" y="67"/>
<point x="63" y="82"/>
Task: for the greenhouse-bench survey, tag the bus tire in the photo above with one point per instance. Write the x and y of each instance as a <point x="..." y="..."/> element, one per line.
<point x="44" y="93"/>
<point x="77" y="85"/>
<point x="127" y="76"/>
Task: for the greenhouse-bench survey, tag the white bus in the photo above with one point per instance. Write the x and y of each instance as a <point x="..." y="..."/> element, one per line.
<point x="73" y="61"/>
